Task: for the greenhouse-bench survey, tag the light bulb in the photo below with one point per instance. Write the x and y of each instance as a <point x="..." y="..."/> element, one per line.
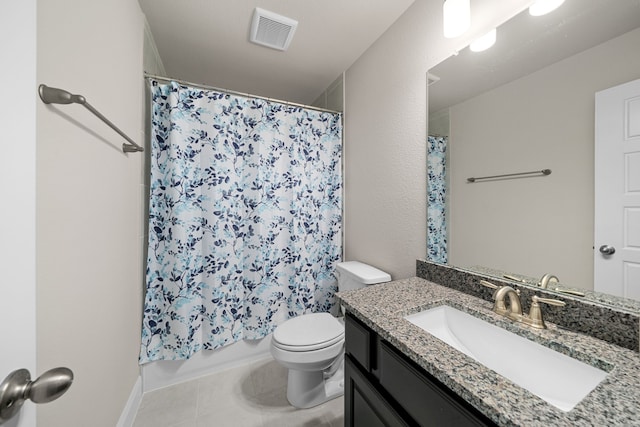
<point x="456" y="17"/>
<point x="484" y="42"/>
<point x="542" y="7"/>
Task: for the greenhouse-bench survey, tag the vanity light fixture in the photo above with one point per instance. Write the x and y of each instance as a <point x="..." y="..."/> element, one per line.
<point x="542" y="7"/>
<point x="484" y="42"/>
<point x="456" y="16"/>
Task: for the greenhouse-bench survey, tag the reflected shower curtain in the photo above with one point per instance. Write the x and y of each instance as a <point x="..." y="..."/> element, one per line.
<point x="436" y="200"/>
<point x="245" y="218"/>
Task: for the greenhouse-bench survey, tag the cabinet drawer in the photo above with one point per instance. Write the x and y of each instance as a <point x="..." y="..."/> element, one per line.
<point x="424" y="398"/>
<point x="359" y="340"/>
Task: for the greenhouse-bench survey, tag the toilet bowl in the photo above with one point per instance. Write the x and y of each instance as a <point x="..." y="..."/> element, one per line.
<point x="311" y="346"/>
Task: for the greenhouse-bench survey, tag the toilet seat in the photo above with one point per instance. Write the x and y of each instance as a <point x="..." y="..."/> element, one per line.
<point x="308" y="332"/>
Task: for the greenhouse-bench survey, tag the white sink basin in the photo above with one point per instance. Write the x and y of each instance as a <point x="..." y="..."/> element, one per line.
<point x="560" y="380"/>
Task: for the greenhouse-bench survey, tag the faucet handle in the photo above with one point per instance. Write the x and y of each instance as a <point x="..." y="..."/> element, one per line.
<point x="488" y="284"/>
<point x="549" y="301"/>
<point x="535" y="319"/>
<point x="496" y="287"/>
<point x="491" y="286"/>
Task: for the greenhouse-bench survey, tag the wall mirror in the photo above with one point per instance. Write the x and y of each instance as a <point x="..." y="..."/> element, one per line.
<point x="527" y="104"/>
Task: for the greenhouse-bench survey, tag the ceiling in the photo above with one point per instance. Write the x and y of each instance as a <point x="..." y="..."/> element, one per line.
<point x="207" y="42"/>
<point x="526" y="44"/>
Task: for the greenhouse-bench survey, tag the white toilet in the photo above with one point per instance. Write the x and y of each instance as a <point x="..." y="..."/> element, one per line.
<point x="311" y="346"/>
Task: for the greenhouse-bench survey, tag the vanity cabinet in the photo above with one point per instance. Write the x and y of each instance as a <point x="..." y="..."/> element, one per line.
<point x="385" y="388"/>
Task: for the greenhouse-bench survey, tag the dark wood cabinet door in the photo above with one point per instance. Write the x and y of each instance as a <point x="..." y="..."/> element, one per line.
<point x="364" y="405"/>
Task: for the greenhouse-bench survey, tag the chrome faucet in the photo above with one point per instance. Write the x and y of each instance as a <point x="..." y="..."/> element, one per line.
<point x="546" y="279"/>
<point x="514" y="311"/>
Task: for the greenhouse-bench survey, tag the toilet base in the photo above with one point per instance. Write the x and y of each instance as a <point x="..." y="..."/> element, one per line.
<point x="308" y="389"/>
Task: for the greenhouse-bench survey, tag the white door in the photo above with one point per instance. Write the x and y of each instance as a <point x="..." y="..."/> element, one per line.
<point x="617" y="191"/>
<point x="18" y="195"/>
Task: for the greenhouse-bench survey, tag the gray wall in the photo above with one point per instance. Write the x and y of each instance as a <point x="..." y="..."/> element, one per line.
<point x="89" y="207"/>
<point x="385" y="151"/>
<point x="333" y="97"/>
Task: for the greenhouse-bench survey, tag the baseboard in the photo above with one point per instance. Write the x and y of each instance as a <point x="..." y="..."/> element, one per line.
<point x="128" y="415"/>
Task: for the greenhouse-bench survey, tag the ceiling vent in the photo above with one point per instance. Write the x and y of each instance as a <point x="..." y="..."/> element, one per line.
<point x="272" y="30"/>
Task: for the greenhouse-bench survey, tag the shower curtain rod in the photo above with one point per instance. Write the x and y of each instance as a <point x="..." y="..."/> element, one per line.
<point x="232" y="92"/>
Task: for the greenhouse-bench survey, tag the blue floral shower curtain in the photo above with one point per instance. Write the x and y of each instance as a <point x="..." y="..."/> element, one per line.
<point x="436" y="200"/>
<point x="244" y="218"/>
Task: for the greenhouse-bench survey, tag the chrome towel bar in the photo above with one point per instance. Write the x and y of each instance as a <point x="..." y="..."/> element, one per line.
<point x="542" y="172"/>
<point x="52" y="95"/>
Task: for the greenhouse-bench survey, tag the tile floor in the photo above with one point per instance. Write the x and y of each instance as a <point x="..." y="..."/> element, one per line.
<point x="248" y="396"/>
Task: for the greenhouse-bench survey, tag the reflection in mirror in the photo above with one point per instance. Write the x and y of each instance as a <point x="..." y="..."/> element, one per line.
<point x="528" y="104"/>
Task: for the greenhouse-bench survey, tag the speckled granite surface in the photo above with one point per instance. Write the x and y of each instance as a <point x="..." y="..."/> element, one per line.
<point x="615" y="402"/>
<point x="614" y="321"/>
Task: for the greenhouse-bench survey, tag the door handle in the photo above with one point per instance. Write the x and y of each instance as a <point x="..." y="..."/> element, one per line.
<point x="607" y="250"/>
<point x="18" y="387"/>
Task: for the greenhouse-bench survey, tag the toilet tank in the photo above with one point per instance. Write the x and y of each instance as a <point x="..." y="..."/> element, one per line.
<point x="355" y="275"/>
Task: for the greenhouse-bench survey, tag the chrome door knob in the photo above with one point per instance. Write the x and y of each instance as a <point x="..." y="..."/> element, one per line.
<point x="50" y="385"/>
<point x="607" y="250"/>
<point x="18" y="387"/>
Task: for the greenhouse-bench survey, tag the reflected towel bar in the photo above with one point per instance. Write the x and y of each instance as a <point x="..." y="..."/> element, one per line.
<point x="542" y="172"/>
<point x="52" y="95"/>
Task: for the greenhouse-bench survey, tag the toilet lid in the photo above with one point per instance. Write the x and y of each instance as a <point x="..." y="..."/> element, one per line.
<point x="309" y="331"/>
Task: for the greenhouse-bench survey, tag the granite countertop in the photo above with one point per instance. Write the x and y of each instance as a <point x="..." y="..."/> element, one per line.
<point x="615" y="401"/>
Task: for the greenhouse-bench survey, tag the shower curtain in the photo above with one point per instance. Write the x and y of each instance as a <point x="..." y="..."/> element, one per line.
<point x="436" y="200"/>
<point x="244" y="219"/>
